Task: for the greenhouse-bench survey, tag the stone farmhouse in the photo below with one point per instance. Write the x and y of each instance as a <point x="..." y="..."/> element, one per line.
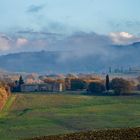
<point x="48" y="87"/>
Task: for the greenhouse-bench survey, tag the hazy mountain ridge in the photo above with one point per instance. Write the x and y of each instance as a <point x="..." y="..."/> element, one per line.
<point x="72" y="61"/>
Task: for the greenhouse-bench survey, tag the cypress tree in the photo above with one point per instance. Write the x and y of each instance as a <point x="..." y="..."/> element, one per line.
<point x="21" y="82"/>
<point x="107" y="83"/>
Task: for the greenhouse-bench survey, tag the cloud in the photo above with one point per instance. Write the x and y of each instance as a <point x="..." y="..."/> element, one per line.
<point x="21" y="42"/>
<point x="81" y="44"/>
<point x="35" y="8"/>
<point x="127" y="25"/>
<point x="5" y="43"/>
<point x="37" y="33"/>
<point x="123" y="38"/>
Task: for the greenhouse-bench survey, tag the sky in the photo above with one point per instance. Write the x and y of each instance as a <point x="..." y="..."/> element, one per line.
<point x="39" y="24"/>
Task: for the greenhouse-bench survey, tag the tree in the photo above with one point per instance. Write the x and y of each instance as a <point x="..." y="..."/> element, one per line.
<point x="107" y="83"/>
<point x="138" y="87"/>
<point x="96" y="87"/>
<point x="121" y="86"/>
<point x="67" y="83"/>
<point x="78" y="84"/>
<point x="21" y="81"/>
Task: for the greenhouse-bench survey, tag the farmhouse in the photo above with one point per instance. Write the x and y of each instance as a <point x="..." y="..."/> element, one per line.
<point x="49" y="87"/>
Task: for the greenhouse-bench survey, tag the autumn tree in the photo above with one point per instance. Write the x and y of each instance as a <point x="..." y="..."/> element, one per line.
<point x="121" y="86"/>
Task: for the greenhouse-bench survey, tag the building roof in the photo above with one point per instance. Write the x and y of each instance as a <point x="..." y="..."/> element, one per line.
<point x="35" y="84"/>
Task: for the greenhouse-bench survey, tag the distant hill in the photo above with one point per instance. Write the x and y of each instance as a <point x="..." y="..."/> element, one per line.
<point x="73" y="61"/>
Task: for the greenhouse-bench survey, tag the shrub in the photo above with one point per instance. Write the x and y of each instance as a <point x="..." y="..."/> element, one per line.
<point x="77" y="84"/>
<point x="96" y="87"/>
<point x="4" y="94"/>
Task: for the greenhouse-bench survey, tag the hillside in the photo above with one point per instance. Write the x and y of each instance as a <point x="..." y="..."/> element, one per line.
<point x="72" y="61"/>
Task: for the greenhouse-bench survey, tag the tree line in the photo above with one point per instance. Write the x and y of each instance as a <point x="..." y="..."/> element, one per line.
<point x="117" y="86"/>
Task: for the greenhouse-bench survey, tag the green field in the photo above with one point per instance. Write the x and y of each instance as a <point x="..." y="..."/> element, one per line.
<point x="30" y="115"/>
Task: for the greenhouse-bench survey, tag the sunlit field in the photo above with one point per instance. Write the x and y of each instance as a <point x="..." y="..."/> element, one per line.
<point x="31" y="115"/>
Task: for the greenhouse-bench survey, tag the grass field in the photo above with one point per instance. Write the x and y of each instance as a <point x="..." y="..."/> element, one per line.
<point x="30" y="115"/>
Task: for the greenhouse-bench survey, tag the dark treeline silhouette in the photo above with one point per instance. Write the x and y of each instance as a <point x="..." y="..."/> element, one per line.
<point x="17" y="85"/>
